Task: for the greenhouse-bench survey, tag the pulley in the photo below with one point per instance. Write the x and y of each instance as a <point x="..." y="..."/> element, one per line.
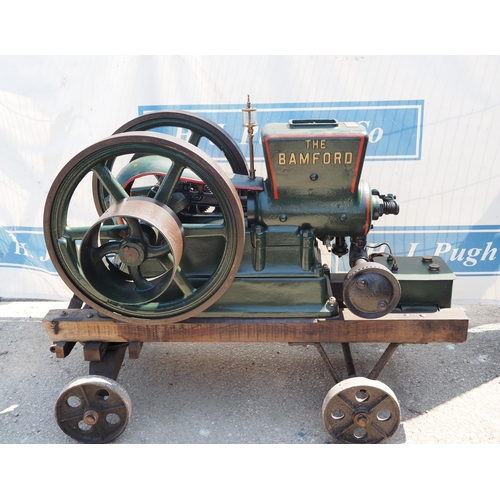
<point x="371" y="290"/>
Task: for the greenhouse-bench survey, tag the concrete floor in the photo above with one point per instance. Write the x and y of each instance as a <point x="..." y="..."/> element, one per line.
<point x="253" y="393"/>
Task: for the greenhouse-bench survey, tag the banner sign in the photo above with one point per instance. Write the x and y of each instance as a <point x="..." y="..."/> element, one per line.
<point x="24" y="248"/>
<point x="394" y="127"/>
<point x="468" y="250"/>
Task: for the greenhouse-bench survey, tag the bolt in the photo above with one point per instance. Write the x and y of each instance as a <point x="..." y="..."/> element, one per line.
<point x="362" y="421"/>
<point x="382" y="304"/>
<point x="362" y="283"/>
<point x="314" y="177"/>
<point x="343" y="217"/>
<point x="283" y="218"/>
<point x="332" y="306"/>
<point x="90" y="417"/>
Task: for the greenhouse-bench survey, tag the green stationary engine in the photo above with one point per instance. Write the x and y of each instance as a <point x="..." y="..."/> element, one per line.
<point x="175" y="236"/>
<point x="160" y="244"/>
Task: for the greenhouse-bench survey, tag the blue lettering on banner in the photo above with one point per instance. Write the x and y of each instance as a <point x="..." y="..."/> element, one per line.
<point x="24" y="248"/>
<point x="468" y="250"/>
<point x="395" y="127"/>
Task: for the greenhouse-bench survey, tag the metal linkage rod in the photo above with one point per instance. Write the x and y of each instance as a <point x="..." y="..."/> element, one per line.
<point x="349" y="363"/>
<point x="377" y="369"/>
<point x="327" y="361"/>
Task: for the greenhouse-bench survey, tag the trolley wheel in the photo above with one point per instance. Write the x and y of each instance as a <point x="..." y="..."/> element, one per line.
<point x="360" y="410"/>
<point x="93" y="409"/>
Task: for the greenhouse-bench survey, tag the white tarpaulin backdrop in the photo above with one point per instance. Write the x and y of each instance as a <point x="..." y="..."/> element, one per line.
<point x="434" y="125"/>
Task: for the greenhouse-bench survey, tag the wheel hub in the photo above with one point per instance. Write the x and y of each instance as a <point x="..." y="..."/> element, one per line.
<point x="132" y="253"/>
<point x="363" y="419"/>
<point x="90" y="417"/>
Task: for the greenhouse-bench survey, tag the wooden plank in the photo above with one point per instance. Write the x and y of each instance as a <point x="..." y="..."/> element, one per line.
<point x="446" y="325"/>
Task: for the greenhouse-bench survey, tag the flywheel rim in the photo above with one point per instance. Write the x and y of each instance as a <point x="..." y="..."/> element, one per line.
<point x="199" y="126"/>
<point x="94" y="159"/>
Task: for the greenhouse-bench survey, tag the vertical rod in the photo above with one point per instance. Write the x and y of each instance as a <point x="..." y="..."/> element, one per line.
<point x="252" y="161"/>
<point x="349" y="363"/>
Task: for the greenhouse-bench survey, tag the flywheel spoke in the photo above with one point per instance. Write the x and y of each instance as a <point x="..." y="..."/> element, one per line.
<point x="183" y="283"/>
<point x="142" y="284"/>
<point x="195" y="138"/>
<point x="204" y="230"/>
<point x="106" y="232"/>
<point x="169" y="183"/>
<point x="114" y="188"/>
<point x="106" y="249"/>
<point x="135" y="227"/>
<point x="158" y="250"/>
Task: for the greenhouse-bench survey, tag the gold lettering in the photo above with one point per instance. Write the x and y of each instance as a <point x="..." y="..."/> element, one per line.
<point x="325" y="157"/>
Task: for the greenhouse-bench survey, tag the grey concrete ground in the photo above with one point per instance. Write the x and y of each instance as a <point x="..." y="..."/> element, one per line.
<point x="253" y="393"/>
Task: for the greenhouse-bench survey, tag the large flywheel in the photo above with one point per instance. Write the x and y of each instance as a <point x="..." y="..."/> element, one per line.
<point x="200" y="131"/>
<point x="137" y="261"/>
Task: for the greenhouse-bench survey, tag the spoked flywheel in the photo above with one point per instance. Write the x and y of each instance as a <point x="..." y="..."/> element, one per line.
<point x="361" y="410"/>
<point x="200" y="130"/>
<point x="137" y="262"/>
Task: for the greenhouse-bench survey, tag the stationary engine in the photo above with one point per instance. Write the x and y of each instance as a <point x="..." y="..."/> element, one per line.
<point x="171" y="249"/>
<point x="160" y="244"/>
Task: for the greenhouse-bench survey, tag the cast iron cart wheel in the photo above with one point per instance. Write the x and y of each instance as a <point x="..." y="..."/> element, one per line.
<point x="126" y="265"/>
<point x="360" y="410"/>
<point x="198" y="127"/>
<point x="93" y="409"/>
